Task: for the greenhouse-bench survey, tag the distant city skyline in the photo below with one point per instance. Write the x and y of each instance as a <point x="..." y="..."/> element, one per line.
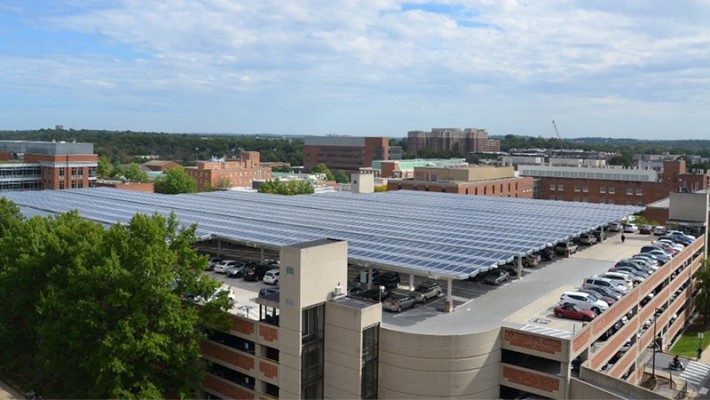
<point x="633" y="69"/>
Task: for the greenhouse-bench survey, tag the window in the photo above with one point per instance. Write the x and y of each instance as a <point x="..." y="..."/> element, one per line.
<point x="370" y="362"/>
<point x="612" y="190"/>
<point x="577" y="188"/>
<point x="560" y="187"/>
<point x="312" y="353"/>
<point x="585" y="189"/>
<point x="629" y="191"/>
<point x="639" y="192"/>
<point x="61" y="172"/>
<point x="61" y="184"/>
<point x="73" y="184"/>
<point x="552" y="187"/>
<point x="602" y="189"/>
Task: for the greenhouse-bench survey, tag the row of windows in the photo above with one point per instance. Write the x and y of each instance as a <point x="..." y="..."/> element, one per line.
<point x="602" y="189"/>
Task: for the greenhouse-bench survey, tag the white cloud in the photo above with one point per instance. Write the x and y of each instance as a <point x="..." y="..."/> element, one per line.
<point x="364" y="56"/>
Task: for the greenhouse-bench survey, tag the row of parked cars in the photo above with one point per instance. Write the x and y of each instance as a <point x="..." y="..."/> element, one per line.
<point x="598" y="292"/>
<point x="393" y="298"/>
<point x="267" y="272"/>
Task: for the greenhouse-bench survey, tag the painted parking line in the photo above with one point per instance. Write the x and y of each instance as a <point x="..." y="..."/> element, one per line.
<point x="547" y="331"/>
<point x="695" y="372"/>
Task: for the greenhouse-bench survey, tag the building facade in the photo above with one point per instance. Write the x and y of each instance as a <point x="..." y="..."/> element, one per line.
<point x="615" y="185"/>
<point x="229" y="173"/>
<point x="345" y="153"/>
<point x="46" y="165"/>
<point x="159" y="165"/>
<point x="471" y="180"/>
<point x="404" y="169"/>
<point x="461" y="141"/>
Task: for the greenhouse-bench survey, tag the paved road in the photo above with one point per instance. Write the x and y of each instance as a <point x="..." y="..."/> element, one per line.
<point x="695" y="373"/>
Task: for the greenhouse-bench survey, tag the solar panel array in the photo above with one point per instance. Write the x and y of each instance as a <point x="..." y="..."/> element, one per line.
<point x="434" y="234"/>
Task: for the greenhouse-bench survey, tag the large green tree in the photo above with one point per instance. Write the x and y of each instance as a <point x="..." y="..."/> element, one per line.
<point x="276" y="186"/>
<point x="702" y="300"/>
<point x="97" y="313"/>
<point x="323" y="169"/>
<point x="175" y="181"/>
<point x="104" y="167"/>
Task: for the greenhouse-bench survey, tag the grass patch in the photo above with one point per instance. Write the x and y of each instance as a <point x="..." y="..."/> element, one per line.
<point x="687" y="344"/>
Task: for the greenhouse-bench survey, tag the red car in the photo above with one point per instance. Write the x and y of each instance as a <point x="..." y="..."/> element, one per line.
<point x="573" y="312"/>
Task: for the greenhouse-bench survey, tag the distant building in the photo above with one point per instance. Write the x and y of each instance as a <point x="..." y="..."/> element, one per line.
<point x="347" y="153"/>
<point x="404" y="169"/>
<point x="472" y="180"/>
<point x="229" y="173"/>
<point x="26" y="165"/>
<point x="119" y="184"/>
<point x="159" y="165"/>
<point x="461" y="141"/>
<point x="614" y="185"/>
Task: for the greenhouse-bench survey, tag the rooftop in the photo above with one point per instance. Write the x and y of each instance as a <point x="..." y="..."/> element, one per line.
<point x="437" y="235"/>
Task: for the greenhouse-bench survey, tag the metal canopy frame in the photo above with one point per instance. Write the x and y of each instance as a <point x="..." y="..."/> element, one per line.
<point x="439" y="235"/>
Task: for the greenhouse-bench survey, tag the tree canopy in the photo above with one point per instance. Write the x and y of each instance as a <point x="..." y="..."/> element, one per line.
<point x="175" y="181"/>
<point x="276" y="186"/>
<point x="702" y="301"/>
<point x="132" y="172"/>
<point x="323" y="169"/>
<point x="94" y="312"/>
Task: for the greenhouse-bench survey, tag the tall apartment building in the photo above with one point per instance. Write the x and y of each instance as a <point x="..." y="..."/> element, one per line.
<point x="461" y="140"/>
<point x="230" y="173"/>
<point x="473" y="180"/>
<point x="346" y="153"/>
<point x="614" y="185"/>
<point x="26" y="165"/>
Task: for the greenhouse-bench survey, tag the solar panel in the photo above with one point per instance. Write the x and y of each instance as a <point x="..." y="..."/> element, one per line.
<point x="435" y="234"/>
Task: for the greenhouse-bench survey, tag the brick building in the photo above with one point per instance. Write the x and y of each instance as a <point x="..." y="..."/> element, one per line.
<point x="160" y="165"/>
<point x="404" y="169"/>
<point x="229" y="173"/>
<point x="615" y="185"/>
<point x="462" y="141"/>
<point x="473" y="180"/>
<point x="46" y="165"/>
<point x="346" y="153"/>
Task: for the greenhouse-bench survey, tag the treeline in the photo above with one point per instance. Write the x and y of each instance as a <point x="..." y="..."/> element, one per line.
<point x="94" y="312"/>
<point x="124" y="147"/>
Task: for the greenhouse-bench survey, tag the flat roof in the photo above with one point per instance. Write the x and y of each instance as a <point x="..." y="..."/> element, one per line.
<point x="438" y="235"/>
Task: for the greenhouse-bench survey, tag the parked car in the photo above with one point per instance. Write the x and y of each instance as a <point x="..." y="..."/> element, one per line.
<point x="223" y="290"/>
<point x="619" y="277"/>
<point x="270" y="293"/>
<point x="636" y="276"/>
<point x="425" y="291"/>
<point x="212" y="262"/>
<point x="271" y="277"/>
<point x="584" y="300"/>
<point x="256" y="272"/>
<point x="222" y="267"/>
<point x="387" y="279"/>
<point x="599" y="234"/>
<point x="645" y="229"/>
<point x="615" y="227"/>
<point x="398" y="303"/>
<point x="236" y="271"/>
<point x="672" y="244"/>
<point x="588" y="239"/>
<point x="631" y="228"/>
<point x="573" y="311"/>
<point x="496" y="277"/>
<point x="565" y="248"/>
<point x="607" y="299"/>
<point x="681" y="237"/>
<point x="596" y="281"/>
<point x="547" y="254"/>
<point x="374" y="294"/>
<point x="660" y="230"/>
<point x="531" y="260"/>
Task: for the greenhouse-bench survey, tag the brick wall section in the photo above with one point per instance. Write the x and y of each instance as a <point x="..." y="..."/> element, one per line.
<point x="241" y="325"/>
<point x="613" y="345"/>
<point x="226" y="389"/>
<point x="268" y="370"/>
<point x="268" y="333"/>
<point x="532" y="342"/>
<point x="514" y="187"/>
<point x="580" y="342"/>
<point x="529" y="379"/>
<point x="243" y="361"/>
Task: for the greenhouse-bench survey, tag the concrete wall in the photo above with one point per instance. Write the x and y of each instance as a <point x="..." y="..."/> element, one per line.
<point x="362" y="183"/>
<point x="582" y="390"/>
<point x="689" y="207"/>
<point x="414" y="366"/>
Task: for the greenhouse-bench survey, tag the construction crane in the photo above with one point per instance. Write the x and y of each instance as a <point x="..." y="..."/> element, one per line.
<point x="557" y="132"/>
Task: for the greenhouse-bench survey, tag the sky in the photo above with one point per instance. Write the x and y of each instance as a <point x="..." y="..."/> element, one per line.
<point x="623" y="69"/>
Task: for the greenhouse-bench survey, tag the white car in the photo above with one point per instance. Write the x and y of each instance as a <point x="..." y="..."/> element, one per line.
<point x="271" y="277"/>
<point x="631" y="228"/>
<point x="619" y="277"/>
<point x="222" y="289"/>
<point x="659" y="230"/>
<point x="614" y="227"/>
<point x="585" y="301"/>
<point x="671" y="244"/>
<point x="222" y="267"/>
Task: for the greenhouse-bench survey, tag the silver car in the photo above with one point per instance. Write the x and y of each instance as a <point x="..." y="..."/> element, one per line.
<point x="398" y="303"/>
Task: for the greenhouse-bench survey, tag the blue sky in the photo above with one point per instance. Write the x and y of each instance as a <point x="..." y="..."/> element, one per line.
<point x="638" y="69"/>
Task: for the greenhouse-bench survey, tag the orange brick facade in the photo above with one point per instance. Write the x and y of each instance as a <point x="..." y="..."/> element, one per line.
<point x="513" y="187"/>
<point x="529" y="379"/>
<point x="233" y="173"/>
<point x="349" y="158"/>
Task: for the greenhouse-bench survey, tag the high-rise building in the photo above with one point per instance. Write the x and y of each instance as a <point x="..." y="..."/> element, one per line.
<point x="460" y="141"/>
<point x="46" y="165"/>
<point x="346" y="153"/>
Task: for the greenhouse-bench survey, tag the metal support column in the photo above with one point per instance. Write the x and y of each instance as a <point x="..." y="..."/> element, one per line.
<point x="519" y="267"/>
<point x="262" y="255"/>
<point x="411" y="281"/>
<point x="219" y="247"/>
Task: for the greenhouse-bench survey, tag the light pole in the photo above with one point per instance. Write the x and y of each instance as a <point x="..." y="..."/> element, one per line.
<point x="196" y="150"/>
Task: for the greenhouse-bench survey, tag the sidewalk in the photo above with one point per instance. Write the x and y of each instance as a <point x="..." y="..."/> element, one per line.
<point x="8" y="393"/>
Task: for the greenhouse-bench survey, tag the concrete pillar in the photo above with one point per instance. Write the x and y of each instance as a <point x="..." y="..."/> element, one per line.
<point x="519" y="268"/>
<point x="369" y="277"/>
<point x="219" y="247"/>
<point x="262" y="254"/>
<point x="411" y="281"/>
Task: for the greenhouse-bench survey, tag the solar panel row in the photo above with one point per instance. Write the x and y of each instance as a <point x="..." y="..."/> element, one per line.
<point x="437" y="234"/>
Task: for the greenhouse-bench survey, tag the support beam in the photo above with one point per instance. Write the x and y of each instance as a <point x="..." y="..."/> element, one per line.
<point x="519" y="267"/>
<point x="411" y="281"/>
<point x="449" y="303"/>
<point x="369" y="277"/>
<point x="262" y="255"/>
<point x="219" y="247"/>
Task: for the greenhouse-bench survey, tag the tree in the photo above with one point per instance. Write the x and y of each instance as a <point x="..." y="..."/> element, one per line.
<point x="224" y="183"/>
<point x="106" y="305"/>
<point x="380" y="188"/>
<point x="276" y="186"/>
<point x="702" y="301"/>
<point x="104" y="168"/>
<point x="342" y="177"/>
<point x="133" y="172"/>
<point x="175" y="181"/>
<point x="323" y="169"/>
